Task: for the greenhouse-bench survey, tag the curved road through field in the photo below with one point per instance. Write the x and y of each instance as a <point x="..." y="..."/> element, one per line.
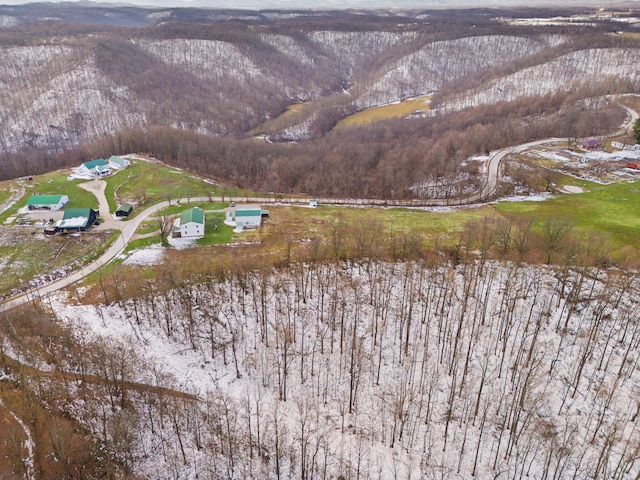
<point x="129" y="227"/>
<point x="127" y="231"/>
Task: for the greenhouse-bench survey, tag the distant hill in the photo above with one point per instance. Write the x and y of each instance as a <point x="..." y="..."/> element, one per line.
<point x="72" y="75"/>
<point x="77" y="74"/>
<point x="330" y="4"/>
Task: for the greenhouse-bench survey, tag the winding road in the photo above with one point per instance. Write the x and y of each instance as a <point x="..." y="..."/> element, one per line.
<point x="129" y="227"/>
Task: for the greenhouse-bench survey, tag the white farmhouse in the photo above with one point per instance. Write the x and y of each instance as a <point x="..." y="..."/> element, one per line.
<point x="190" y="224"/>
<point x="95" y="168"/>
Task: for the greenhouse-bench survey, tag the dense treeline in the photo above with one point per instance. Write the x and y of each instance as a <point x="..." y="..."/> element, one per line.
<point x="192" y="94"/>
<point x="387" y="160"/>
<point x="392" y="159"/>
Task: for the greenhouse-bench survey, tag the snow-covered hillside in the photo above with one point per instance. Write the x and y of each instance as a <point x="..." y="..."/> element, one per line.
<point x="206" y="59"/>
<point x="51" y="98"/>
<point x="226" y="78"/>
<point x="354" y="47"/>
<point x="567" y="72"/>
<point x="375" y="370"/>
<point x="438" y="63"/>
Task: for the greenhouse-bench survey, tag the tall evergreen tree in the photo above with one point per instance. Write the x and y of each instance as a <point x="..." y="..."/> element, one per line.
<point x="636" y="130"/>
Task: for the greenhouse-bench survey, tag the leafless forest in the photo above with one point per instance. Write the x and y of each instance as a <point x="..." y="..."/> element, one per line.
<point x="207" y="92"/>
<point x="511" y="354"/>
<point x="415" y="369"/>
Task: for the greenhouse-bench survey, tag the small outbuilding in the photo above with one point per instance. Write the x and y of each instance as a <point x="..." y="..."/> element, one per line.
<point x="124" y="210"/>
<point x="591" y="144"/>
<point x="190" y="224"/>
<point x="47" y="202"/>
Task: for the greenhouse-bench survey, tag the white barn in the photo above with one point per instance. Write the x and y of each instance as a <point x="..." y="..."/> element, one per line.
<point x="47" y="202"/>
<point x="246" y="218"/>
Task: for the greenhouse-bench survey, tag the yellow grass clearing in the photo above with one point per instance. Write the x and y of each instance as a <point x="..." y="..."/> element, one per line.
<point x="281" y="119"/>
<point x="394" y="110"/>
<point x="635" y="35"/>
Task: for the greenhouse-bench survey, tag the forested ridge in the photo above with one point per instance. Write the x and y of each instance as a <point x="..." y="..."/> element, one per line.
<point x="505" y="349"/>
<point x="218" y="82"/>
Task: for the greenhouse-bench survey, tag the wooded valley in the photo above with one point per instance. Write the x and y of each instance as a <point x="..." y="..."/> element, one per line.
<point x="211" y="96"/>
<point x="506" y="346"/>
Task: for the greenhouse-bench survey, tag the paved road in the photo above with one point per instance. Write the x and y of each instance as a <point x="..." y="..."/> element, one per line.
<point x="129" y="227"/>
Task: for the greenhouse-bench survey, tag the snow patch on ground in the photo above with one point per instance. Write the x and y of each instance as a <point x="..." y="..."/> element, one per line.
<point x="572" y="189"/>
<point x="110" y="322"/>
<point x="152" y="255"/>
<point x="529" y="337"/>
<point x="537" y="197"/>
<point x="181" y="242"/>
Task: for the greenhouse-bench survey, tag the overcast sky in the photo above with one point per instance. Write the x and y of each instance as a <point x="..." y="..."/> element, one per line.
<point x="341" y="4"/>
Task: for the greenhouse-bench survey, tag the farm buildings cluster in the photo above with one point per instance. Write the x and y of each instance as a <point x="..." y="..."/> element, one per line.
<point x="100" y="167"/>
<point x="52" y="209"/>
<point x="82" y="217"/>
<point x="191" y="223"/>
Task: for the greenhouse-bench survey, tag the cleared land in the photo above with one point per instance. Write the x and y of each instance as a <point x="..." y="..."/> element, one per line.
<point x="608" y="211"/>
<point x="395" y="110"/>
<point x="28" y="258"/>
<point x="289" y="116"/>
<point x="146" y="183"/>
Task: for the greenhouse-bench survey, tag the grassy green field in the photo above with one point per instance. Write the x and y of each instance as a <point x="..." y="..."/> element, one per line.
<point x="288" y="117"/>
<point x="55" y="183"/>
<point x="177" y="209"/>
<point x="384" y="112"/>
<point x="612" y="210"/>
<point x="146" y="183"/>
<point x="6" y="187"/>
<point x="216" y="232"/>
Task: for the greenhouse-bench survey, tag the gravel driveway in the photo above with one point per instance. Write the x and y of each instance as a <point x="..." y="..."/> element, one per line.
<point x="97" y="187"/>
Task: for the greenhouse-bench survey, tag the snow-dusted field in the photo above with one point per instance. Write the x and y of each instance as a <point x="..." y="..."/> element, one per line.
<point x="376" y="370"/>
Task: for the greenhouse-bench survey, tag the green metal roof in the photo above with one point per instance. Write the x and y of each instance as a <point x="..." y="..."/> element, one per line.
<point x="44" y="200"/>
<point x="75" y="218"/>
<point x="125" y="207"/>
<point x="76" y="212"/>
<point x="192" y="215"/>
<point x="117" y="160"/>
<point x="100" y="162"/>
<point x="249" y="212"/>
